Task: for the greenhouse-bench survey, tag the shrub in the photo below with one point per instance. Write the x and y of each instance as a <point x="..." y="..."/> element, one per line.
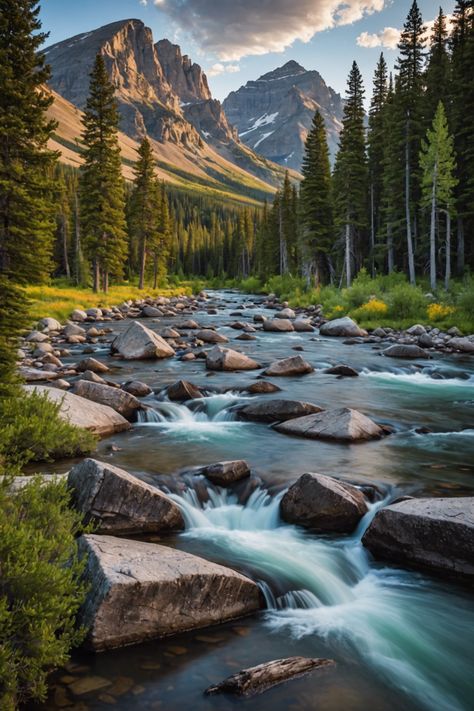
<point x="373" y="309"/>
<point x="466" y="300"/>
<point x="406" y="301"/>
<point x="40" y="588"/>
<point x="251" y="285"/>
<point x="362" y="290"/>
<point x="437" y="312"/>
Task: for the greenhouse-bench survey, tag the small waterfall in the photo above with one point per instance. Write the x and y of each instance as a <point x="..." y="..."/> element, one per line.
<point x="422" y="378"/>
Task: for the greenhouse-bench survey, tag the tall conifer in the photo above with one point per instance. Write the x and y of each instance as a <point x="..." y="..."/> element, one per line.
<point x="376" y="142"/>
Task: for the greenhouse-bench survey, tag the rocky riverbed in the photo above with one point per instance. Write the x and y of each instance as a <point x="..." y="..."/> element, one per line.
<point x="249" y="463"/>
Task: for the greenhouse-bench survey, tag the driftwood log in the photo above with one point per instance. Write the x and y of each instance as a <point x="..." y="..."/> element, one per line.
<point x="255" y="680"/>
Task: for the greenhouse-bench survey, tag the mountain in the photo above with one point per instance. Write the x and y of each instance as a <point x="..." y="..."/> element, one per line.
<point x="162" y="94"/>
<point x="274" y="113"/>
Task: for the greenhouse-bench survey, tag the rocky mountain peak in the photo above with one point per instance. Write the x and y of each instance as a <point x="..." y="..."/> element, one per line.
<point x="187" y="79"/>
<point x="288" y="70"/>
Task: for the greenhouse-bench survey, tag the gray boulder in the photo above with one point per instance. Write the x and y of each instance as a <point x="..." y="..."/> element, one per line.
<point x="342" y="327"/>
<point x="137" y="342"/>
<point x="137" y="388"/>
<point x="286" y="313"/>
<point x="49" y="324"/>
<point x="92" y="364"/>
<point x="78" y="315"/>
<point x="294" y="365"/>
<point x="261" y="387"/>
<point x="301" y="326"/>
<point x="277" y="410"/>
<point x="436" y="535"/>
<point x="323" y="504"/>
<point x="465" y="345"/>
<point x="401" y="350"/>
<point x="141" y="591"/>
<point x="343" y="424"/>
<point x="228" y="359"/>
<point x="209" y="336"/>
<point x="225" y="473"/>
<point x="33" y="375"/>
<point x="116" y="398"/>
<point x="281" y="325"/>
<point x="343" y="370"/>
<point x="151" y="312"/>
<point x="119" y="503"/>
<point x="183" y="390"/>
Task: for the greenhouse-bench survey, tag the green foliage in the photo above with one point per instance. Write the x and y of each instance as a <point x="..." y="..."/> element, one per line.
<point x="40" y="587"/>
<point x="406" y="301"/>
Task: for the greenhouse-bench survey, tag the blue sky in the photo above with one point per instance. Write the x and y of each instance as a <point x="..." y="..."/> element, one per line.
<point x="235" y="40"/>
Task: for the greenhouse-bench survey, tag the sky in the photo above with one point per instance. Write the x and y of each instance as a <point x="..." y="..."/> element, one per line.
<point x="239" y="40"/>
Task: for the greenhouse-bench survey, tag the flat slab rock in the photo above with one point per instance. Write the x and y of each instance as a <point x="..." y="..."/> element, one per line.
<point x="323" y="504"/>
<point x="256" y="680"/>
<point x="99" y="419"/>
<point x="227" y="359"/>
<point x="116" y="398"/>
<point x="343" y="424"/>
<point x="277" y="409"/>
<point x="141" y="591"/>
<point x="430" y="534"/>
<point x="138" y="342"/>
<point x="401" y="350"/>
<point x="294" y="365"/>
<point x="225" y="473"/>
<point x="118" y="502"/>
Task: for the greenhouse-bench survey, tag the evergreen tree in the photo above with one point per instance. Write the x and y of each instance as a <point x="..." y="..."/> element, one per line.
<point x="316" y="210"/>
<point x="376" y="142"/>
<point x="26" y="165"/>
<point x="392" y="179"/>
<point x="437" y="76"/>
<point x="102" y="185"/>
<point x="350" y="174"/>
<point x="160" y="238"/>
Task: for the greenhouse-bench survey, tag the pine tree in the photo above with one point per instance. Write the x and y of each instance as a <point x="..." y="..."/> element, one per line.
<point x="438" y="165"/>
<point x="159" y="243"/>
<point x="26" y="165"/>
<point x="102" y="185"/>
<point x="316" y="210"/>
<point x="392" y="179"/>
<point x="376" y="142"/>
<point x="437" y="78"/>
<point x="350" y="174"/>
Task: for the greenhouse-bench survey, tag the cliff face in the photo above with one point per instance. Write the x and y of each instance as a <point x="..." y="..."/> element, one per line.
<point x="274" y="113"/>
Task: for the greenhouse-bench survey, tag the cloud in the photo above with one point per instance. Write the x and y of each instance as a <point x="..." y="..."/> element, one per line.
<point x="390" y="36"/>
<point x="232" y="29"/>
<point x="220" y="68"/>
<point x="144" y="3"/>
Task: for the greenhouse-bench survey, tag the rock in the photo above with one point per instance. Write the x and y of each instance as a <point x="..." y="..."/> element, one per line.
<point x="454" y="331"/>
<point x="36" y="337"/>
<point x="188" y="356"/>
<point x="71" y="329"/>
<point x="92" y="377"/>
<point x="465" y="345"/>
<point x="41" y="349"/>
<point x="401" y="350"/>
<point x="256" y="680"/>
<point x="416" y="330"/>
<point x="436" y="535"/>
<point x="142" y="591"/>
<point x="246" y="337"/>
<point x="78" y="315"/>
<point x="189" y="325"/>
<point x="92" y="364"/>
<point x="151" y="312"/>
<point x="137" y="388"/>
<point x="301" y="326"/>
<point x="278" y="324"/>
<point x="61" y="384"/>
<point x="344" y="370"/>
<point x="94" y="313"/>
<point x="183" y="390"/>
<point x="342" y="327"/>
<point x="170" y="333"/>
<point x="116" y="398"/>
<point x="277" y="410"/>
<point x="209" y="336"/>
<point x="425" y="341"/>
<point x="343" y="424"/>
<point x="49" y="324"/>
<point x="379" y="332"/>
<point x="295" y="365"/>
<point x="227" y="359"/>
<point x="323" y="504"/>
<point x="99" y="419"/>
<point x="261" y="387"/>
<point x="119" y="503"/>
<point x="286" y="313"/>
<point x="33" y="375"/>
<point x="137" y="342"/>
<point x="225" y="473"/>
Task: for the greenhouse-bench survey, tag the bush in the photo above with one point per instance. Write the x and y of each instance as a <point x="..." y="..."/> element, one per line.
<point x="375" y="309"/>
<point x="40" y="588"/>
<point x="362" y="290"/>
<point x="466" y="300"/>
<point x="438" y="312"/>
<point x="406" y="301"/>
<point x="31" y="430"/>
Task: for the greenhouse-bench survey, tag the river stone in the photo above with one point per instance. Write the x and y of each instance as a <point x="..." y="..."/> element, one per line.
<point x="72" y="329"/>
<point x="36" y="337"/>
<point x="344" y="370"/>
<point x="137" y="388"/>
<point x="285" y="313"/>
<point x="294" y="365"/>
<point x="116" y="398"/>
<point x="33" y="375"/>
<point x="92" y="377"/>
<point x="189" y="325"/>
<point x="170" y="333"/>
<point x="49" y="324"/>
<point x="225" y="473"/>
<point x="341" y="327"/>
<point x="183" y="390"/>
<point x="92" y="364"/>
<point x="209" y="336"/>
<point x="465" y="345"/>
<point x="141" y="591"/>
<point x="151" y="312"/>
<point x="301" y="326"/>
<point x="430" y="534"/>
<point x="343" y="424"/>
<point x="277" y="410"/>
<point x="227" y="359"/>
<point x="261" y="387"/>
<point x="78" y="315"/>
<point x="416" y="330"/>
<point x="281" y="325"/>
<point x="323" y="504"/>
<point x="401" y="350"/>
<point x="99" y="419"/>
<point x="139" y="343"/>
<point x="119" y="503"/>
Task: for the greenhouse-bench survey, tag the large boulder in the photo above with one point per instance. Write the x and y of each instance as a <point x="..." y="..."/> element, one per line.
<point x="183" y="390"/>
<point x="209" y="336"/>
<point x="49" y="324"/>
<point x="141" y="591"/>
<point x="119" y="503"/>
<point x="137" y="342"/>
<point x="96" y="366"/>
<point x="151" y="312"/>
<point x="402" y="350"/>
<point x="261" y="387"/>
<point x="228" y="359"/>
<point x="116" y="398"/>
<point x="344" y="371"/>
<point x="430" y="534"/>
<point x="294" y="365"/>
<point x="32" y="375"/>
<point x="342" y="327"/>
<point x="323" y="504"/>
<point x="465" y="345"/>
<point x="343" y="424"/>
<point x="137" y="388"/>
<point x="225" y="473"/>
<point x="300" y="325"/>
<point x="277" y="410"/>
<point x="99" y="419"/>
<point x="280" y="325"/>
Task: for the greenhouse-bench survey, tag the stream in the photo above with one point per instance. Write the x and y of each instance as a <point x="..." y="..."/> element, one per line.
<point x="401" y="640"/>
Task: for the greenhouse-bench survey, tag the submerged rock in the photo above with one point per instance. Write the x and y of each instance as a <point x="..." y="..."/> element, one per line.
<point x="183" y="390"/>
<point x="277" y="409"/>
<point x="139" y="343"/>
<point x="117" y="502"/>
<point x="227" y="359"/>
<point x="343" y="370"/>
<point x="141" y="591"/>
<point x="225" y="473"/>
<point x="261" y="387"/>
<point x="120" y="400"/>
<point x="342" y="327"/>
<point x="343" y="424"/>
<point x="255" y="680"/>
<point x="401" y="350"/>
<point x="430" y="534"/>
<point x="281" y="325"/>
<point x="294" y="365"/>
<point x="137" y="388"/>
<point x="323" y="504"/>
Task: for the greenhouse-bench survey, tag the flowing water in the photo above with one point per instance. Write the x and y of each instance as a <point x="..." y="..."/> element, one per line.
<point x="401" y="640"/>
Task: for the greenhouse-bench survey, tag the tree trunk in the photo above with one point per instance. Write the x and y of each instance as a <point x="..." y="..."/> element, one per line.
<point x="141" y="280"/>
<point x="390" y="257"/>
<point x="77" y="246"/>
<point x="411" y="258"/>
<point x="65" y="249"/>
<point x="447" y="275"/>
<point x="96" y="284"/>
<point x="348" y="254"/>
<point x="433" y="231"/>
<point x="460" y="247"/>
<point x="372" y="231"/>
<point x="155" y="271"/>
<point x="106" y="282"/>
